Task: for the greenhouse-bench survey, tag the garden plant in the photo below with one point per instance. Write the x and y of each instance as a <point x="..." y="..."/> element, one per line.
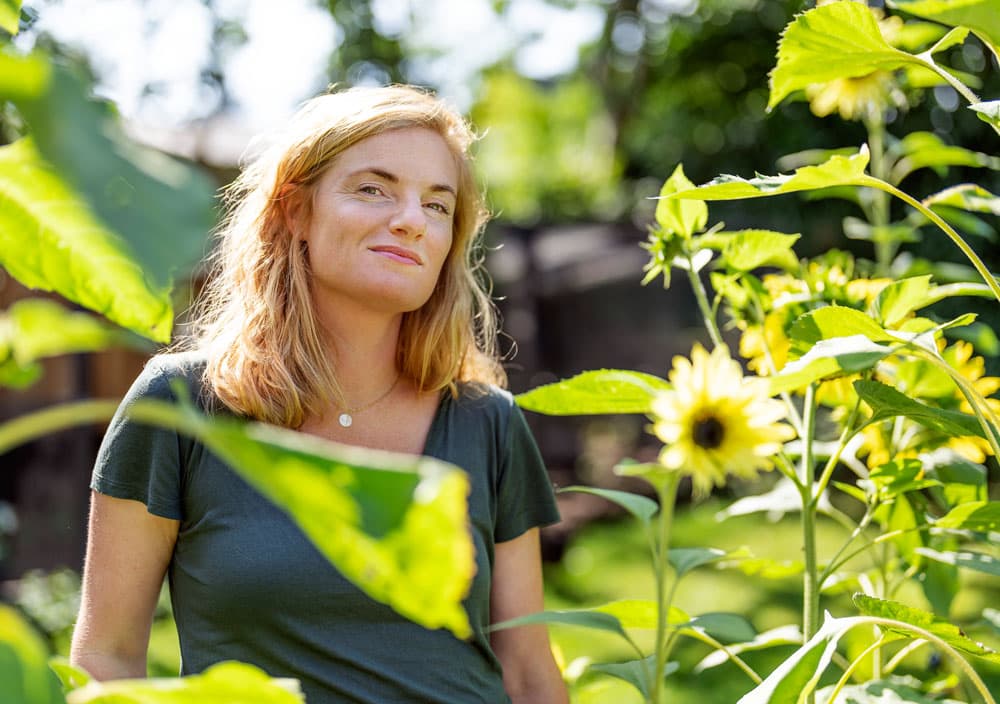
<point x="875" y="410"/>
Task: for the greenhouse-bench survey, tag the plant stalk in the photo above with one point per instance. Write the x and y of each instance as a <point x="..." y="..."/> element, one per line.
<point x="668" y="497"/>
<point x="702" y="297"/>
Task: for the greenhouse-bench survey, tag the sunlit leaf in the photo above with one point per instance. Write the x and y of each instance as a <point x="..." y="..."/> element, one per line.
<point x="683" y="218"/>
<point x="595" y="392"/>
<point x="165" y="209"/>
<point x="584" y="618"/>
<point x="927" y="150"/>
<point x="634" y="672"/>
<point x="22" y="76"/>
<point x="639" y="613"/>
<point x="966" y="196"/>
<point x="962" y="481"/>
<point x="899" y="477"/>
<point x="988" y="112"/>
<point x="683" y="560"/>
<point x="896" y="689"/>
<point x="639" y="506"/>
<point x="886" y="402"/>
<point x="784" y="497"/>
<point x="653" y="472"/>
<point x="981" y="16"/>
<point x="25" y="677"/>
<point x="979" y="516"/>
<point x="836" y="40"/>
<point x="900" y="298"/>
<point x="828" y="359"/>
<point x="50" y="240"/>
<point x="948" y="632"/>
<point x="747" y="250"/>
<point x="224" y="683"/>
<point x="976" y="561"/>
<point x="723" y="627"/>
<point x="784" y="635"/>
<point x="369" y="512"/>
<point x="10" y="12"/>
<point x="830" y="322"/>
<point x="71" y="676"/>
<point x="765" y="567"/>
<point x="838" y="171"/>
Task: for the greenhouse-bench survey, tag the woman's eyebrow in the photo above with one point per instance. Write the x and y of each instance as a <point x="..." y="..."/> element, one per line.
<point x="392" y="178"/>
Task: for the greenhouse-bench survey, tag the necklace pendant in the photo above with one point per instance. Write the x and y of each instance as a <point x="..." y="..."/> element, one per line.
<point x="345" y="420"/>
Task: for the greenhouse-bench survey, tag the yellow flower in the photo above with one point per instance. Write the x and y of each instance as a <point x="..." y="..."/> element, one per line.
<point x="714" y="421"/>
<point x="766" y="346"/>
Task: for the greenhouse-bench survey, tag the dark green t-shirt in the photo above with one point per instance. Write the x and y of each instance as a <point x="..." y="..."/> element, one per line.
<point x="247" y="585"/>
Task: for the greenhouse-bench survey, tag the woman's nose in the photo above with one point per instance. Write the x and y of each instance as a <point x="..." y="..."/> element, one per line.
<point x="409" y="219"/>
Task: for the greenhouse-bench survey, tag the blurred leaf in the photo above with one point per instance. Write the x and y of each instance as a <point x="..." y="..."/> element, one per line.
<point x="838" y="171"/>
<point x="25" y="677"/>
<point x="962" y="481"/>
<point x="784" y="497"/>
<point x="948" y="632"/>
<point x="584" y="618"/>
<point x="18" y="376"/>
<point x="165" y="209"/>
<point x="886" y="402"/>
<point x="747" y="250"/>
<point x="595" y="392"/>
<point x="723" y="627"/>
<point x="899" y="477"/>
<point x="639" y="613"/>
<point x="982" y="337"/>
<point x="829" y="358"/>
<point x="798" y="675"/>
<point x="766" y="568"/>
<point x="784" y="635"/>
<point x="967" y="196"/>
<point x="903" y="520"/>
<point x="982" y="516"/>
<point x="369" y="512"/>
<point x="896" y="689"/>
<point x="224" y="683"/>
<point x="683" y="218"/>
<point x="988" y="113"/>
<point x="653" y="472"/>
<point x="10" y="13"/>
<point x="683" y="560"/>
<point x="50" y="240"/>
<point x="976" y="561"/>
<point x="965" y="221"/>
<point x="22" y="77"/>
<point x="71" y="676"/>
<point x="837" y="40"/>
<point x="919" y="150"/>
<point x="900" y="298"/>
<point x="858" y="229"/>
<point x="981" y="16"/>
<point x="639" y="506"/>
<point x="635" y="671"/>
<point x="940" y="584"/>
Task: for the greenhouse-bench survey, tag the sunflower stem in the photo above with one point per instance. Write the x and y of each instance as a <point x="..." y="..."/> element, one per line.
<point x="884" y="246"/>
<point x="668" y="496"/>
<point x="706" y="311"/>
<point x="810" y="579"/>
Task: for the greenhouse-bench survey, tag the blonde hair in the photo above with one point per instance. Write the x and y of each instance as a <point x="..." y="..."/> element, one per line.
<point x="254" y="319"/>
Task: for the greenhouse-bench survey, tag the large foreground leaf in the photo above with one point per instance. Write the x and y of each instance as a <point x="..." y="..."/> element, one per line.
<point x="837" y="40"/>
<point x="10" y="12"/>
<point x="25" y="677"/>
<point x="395" y="525"/>
<point x="595" y="392"/>
<point x="981" y="16"/>
<point x="51" y="240"/>
<point x="225" y="683"/>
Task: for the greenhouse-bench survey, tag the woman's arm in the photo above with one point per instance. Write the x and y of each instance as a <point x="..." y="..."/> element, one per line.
<point x="529" y="670"/>
<point x="128" y="550"/>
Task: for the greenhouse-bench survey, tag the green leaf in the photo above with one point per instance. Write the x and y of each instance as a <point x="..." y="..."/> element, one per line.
<point x="22" y="76"/>
<point x="723" y="627"/>
<point x="595" y="392"/>
<point x="653" y="472"/>
<point x="584" y="618"/>
<point x="798" y="675"/>
<point x="747" y="250"/>
<point x="25" y="676"/>
<point x="684" y="218"/>
<point x="837" y="40"/>
<point x="949" y="633"/>
<point x="837" y="171"/>
<point x="831" y="322"/>
<point x="828" y="359"/>
<point x="767" y="568"/>
<point x="10" y="13"/>
<point x="639" y="506"/>
<point x="953" y="38"/>
<point x="165" y="209"/>
<point x="983" y="516"/>
<point x="639" y="613"/>
<point x="976" y="561"/>
<point x="634" y="671"/>
<point x="903" y="520"/>
<point x="919" y="150"/>
<point x="967" y="196"/>
<point x="981" y="16"/>
<point x="369" y="512"/>
<point x="898" y="690"/>
<point x="940" y="584"/>
<point x="886" y="402"/>
<point x="783" y="635"/>
<point x="35" y="328"/>
<point x="988" y="113"/>
<point x="962" y="481"/>
<point x="50" y="240"/>
<point x="224" y="683"/>
<point x="900" y="298"/>
<point x="683" y="560"/>
<point x="784" y="497"/>
<point x="896" y="478"/>
<point x="71" y="676"/>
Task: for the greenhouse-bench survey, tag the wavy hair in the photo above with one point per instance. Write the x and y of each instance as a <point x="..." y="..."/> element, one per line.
<point x="254" y="319"/>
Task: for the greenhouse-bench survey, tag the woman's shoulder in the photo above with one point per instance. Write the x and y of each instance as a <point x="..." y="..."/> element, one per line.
<point x="162" y="371"/>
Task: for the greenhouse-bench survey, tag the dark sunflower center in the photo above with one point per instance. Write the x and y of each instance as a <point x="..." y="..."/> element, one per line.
<point x="708" y="433"/>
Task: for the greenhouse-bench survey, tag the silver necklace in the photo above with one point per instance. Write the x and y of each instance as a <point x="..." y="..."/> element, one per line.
<point x="346" y="419"/>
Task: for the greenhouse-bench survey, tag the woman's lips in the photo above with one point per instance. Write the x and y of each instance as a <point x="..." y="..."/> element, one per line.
<point x="399" y="254"/>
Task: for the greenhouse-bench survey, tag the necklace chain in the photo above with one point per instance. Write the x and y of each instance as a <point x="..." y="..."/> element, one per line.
<point x="346" y="419"/>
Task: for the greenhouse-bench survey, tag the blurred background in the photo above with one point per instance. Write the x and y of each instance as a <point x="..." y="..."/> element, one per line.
<point x="585" y="108"/>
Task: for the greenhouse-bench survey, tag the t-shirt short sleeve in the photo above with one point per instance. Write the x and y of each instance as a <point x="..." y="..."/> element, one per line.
<point x="525" y="498"/>
<point x="144" y="462"/>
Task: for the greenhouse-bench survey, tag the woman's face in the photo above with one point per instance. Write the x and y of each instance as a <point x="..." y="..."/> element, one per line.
<point x="382" y="220"/>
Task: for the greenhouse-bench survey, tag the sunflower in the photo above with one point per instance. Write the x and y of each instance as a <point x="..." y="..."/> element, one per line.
<point x="714" y="421"/>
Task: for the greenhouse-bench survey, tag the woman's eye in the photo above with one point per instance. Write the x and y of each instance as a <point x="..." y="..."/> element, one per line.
<point x="371" y="190"/>
<point x="440" y="207"/>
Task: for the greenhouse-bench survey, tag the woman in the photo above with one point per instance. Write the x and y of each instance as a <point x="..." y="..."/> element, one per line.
<point x="344" y="302"/>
